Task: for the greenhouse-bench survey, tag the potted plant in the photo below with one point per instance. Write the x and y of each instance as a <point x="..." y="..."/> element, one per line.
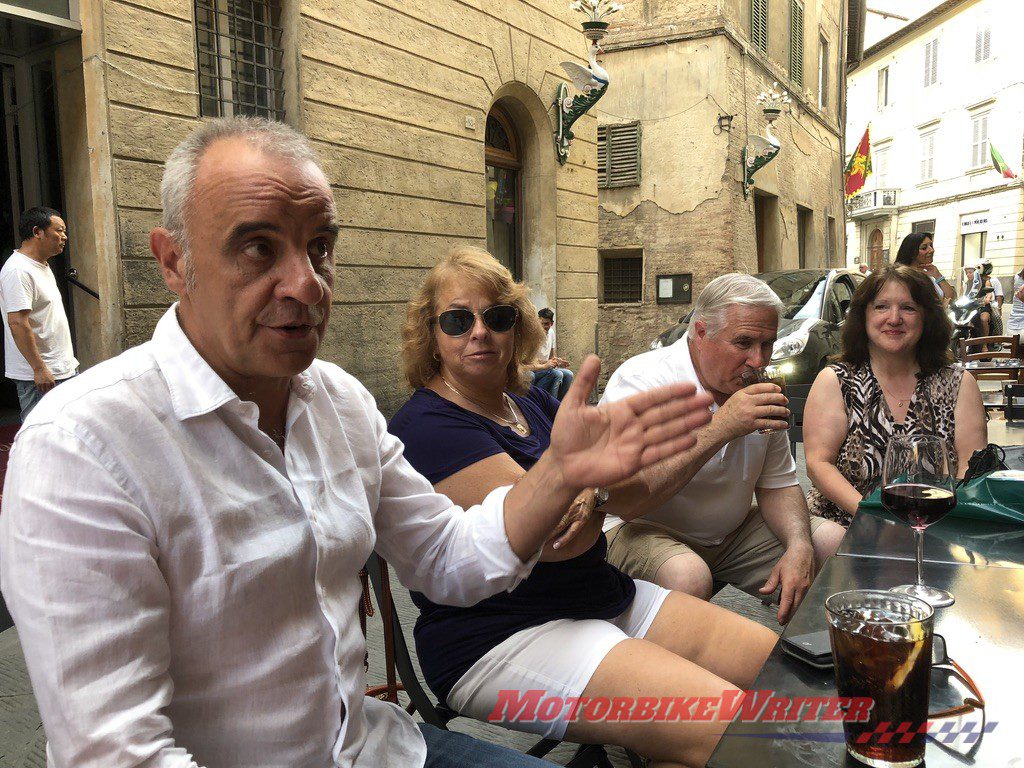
<point x="595" y="27"/>
<point x="773" y="101"/>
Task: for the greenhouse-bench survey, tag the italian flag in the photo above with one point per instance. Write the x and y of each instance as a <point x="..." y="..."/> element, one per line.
<point x="999" y="164"/>
<point x="859" y="167"/>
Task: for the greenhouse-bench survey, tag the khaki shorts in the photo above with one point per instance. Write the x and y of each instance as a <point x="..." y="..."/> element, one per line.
<point x="745" y="557"/>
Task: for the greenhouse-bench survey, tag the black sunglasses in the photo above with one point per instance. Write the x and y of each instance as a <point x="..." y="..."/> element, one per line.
<point x="500" y="318"/>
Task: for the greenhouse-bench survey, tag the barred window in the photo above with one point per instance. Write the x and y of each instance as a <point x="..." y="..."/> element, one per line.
<point x="622" y="276"/>
<point x="241" y="72"/>
<point x="618" y="155"/>
<point x="759" y="24"/>
<point x="796" y="42"/>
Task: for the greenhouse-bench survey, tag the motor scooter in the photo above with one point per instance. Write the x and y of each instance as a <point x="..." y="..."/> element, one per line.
<point x="965" y="315"/>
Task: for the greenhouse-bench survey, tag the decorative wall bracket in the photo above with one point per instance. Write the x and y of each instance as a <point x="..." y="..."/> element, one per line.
<point x="761" y="150"/>
<point x="569" y="110"/>
<point x="756" y="155"/>
<point x="591" y="82"/>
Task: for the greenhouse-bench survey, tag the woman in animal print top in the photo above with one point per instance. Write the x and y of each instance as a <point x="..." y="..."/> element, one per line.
<point x="894" y="377"/>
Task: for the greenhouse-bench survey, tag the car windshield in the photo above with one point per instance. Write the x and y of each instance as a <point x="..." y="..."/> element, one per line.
<point x="801" y="291"/>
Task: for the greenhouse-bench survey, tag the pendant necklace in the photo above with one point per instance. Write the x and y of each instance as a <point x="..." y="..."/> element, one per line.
<point x="514" y="423"/>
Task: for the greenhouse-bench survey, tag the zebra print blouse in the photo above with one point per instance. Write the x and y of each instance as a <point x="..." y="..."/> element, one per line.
<point x="870" y="425"/>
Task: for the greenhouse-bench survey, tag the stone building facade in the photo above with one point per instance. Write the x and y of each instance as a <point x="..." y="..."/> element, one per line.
<point x="399" y="99"/>
<point x="688" y="76"/>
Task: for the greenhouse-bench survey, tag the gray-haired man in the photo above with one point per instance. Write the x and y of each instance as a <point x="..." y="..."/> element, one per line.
<point x="689" y="522"/>
<point x="184" y="574"/>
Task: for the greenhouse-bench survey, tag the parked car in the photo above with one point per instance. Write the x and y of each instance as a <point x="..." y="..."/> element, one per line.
<point x="816" y="302"/>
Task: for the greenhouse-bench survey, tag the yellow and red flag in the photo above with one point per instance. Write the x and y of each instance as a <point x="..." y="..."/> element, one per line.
<point x="859" y="167"/>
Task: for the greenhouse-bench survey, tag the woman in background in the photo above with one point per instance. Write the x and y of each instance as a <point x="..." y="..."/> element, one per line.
<point x="917" y="251"/>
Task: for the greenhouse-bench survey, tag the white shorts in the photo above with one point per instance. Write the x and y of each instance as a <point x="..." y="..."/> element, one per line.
<point x="558" y="658"/>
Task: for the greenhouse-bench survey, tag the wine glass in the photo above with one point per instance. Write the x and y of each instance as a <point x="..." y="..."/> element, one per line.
<point x="918" y="487"/>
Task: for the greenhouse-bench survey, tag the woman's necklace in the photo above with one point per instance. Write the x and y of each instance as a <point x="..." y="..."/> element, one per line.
<point x="514" y="422"/>
<point x="900" y="399"/>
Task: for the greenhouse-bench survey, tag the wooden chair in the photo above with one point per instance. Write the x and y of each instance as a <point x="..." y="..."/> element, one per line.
<point x="439" y="715"/>
<point x="1009" y="350"/>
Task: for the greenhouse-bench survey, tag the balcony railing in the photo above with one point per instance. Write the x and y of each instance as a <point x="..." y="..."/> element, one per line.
<point x="873" y="202"/>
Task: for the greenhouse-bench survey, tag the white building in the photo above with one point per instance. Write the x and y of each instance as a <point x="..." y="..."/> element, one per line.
<point x="937" y="94"/>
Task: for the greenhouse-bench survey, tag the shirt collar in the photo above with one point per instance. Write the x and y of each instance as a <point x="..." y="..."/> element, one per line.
<point x="683" y="363"/>
<point x="195" y="388"/>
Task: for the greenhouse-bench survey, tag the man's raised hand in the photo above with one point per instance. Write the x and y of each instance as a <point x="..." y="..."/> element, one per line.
<point x="601" y="445"/>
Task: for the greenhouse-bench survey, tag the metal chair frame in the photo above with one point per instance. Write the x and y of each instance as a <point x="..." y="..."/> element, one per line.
<point x="439" y="715"/>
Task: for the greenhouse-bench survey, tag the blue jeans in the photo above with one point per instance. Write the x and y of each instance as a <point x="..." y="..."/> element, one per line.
<point x="28" y="396"/>
<point x="448" y="749"/>
<point x="554" y="381"/>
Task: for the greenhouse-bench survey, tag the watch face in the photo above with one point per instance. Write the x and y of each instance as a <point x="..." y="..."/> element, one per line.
<point x="600" y="496"/>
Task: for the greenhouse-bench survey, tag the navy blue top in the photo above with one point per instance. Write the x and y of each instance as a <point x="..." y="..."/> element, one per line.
<point x="442" y="438"/>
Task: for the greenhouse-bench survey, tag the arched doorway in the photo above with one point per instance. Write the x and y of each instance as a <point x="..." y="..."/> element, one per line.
<point x="504" y="191"/>
<point x="876" y="255"/>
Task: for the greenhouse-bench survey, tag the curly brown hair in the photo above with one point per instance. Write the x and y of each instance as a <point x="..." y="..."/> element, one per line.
<point x="932" y="351"/>
<point x="419" y="349"/>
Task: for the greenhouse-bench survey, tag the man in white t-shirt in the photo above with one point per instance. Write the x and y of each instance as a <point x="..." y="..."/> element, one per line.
<point x="37" y="338"/>
<point x="550" y="372"/>
<point x="690" y="523"/>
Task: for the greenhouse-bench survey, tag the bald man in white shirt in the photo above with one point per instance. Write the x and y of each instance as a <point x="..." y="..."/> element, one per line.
<point x="184" y="574"/>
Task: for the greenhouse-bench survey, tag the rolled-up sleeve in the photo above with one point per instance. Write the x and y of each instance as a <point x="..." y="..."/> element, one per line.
<point x="453" y="556"/>
<point x="79" y="571"/>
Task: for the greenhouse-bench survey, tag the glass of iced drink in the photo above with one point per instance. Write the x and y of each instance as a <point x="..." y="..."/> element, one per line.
<point x="882" y="649"/>
<point x="761" y="376"/>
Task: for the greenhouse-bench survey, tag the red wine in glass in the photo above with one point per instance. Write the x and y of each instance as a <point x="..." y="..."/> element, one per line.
<point x="918" y="487"/>
<point x="916" y="504"/>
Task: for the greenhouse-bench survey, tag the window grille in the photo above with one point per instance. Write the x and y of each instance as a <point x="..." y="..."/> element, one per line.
<point x="622" y="277"/>
<point x="238" y="45"/>
<point x="618" y="155"/>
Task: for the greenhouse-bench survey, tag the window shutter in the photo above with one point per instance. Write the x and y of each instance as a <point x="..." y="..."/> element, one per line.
<point x="618" y="155"/>
<point x="759" y="24"/>
<point x="796" y="42"/>
<point x="935" y="62"/>
<point x="982" y="43"/>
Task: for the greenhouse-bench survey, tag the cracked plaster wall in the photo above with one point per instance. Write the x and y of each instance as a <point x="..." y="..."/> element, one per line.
<point x="688" y="214"/>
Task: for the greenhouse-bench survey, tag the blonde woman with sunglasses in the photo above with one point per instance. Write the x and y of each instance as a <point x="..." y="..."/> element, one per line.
<point x="577" y="626"/>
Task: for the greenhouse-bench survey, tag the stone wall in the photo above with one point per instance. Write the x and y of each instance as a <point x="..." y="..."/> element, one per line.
<point x="395" y="97"/>
<point x="688" y="214"/>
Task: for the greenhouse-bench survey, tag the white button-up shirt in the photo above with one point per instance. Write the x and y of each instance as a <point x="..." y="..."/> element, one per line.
<point x="717" y="499"/>
<point x="187" y="595"/>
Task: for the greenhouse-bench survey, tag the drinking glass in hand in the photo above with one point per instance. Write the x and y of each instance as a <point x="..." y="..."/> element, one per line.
<point x="918" y="487"/>
<point x="761" y="376"/>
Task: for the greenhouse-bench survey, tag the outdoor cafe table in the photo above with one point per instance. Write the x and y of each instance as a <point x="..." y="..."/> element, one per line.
<point x="983" y="630"/>
<point x="874" y="533"/>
